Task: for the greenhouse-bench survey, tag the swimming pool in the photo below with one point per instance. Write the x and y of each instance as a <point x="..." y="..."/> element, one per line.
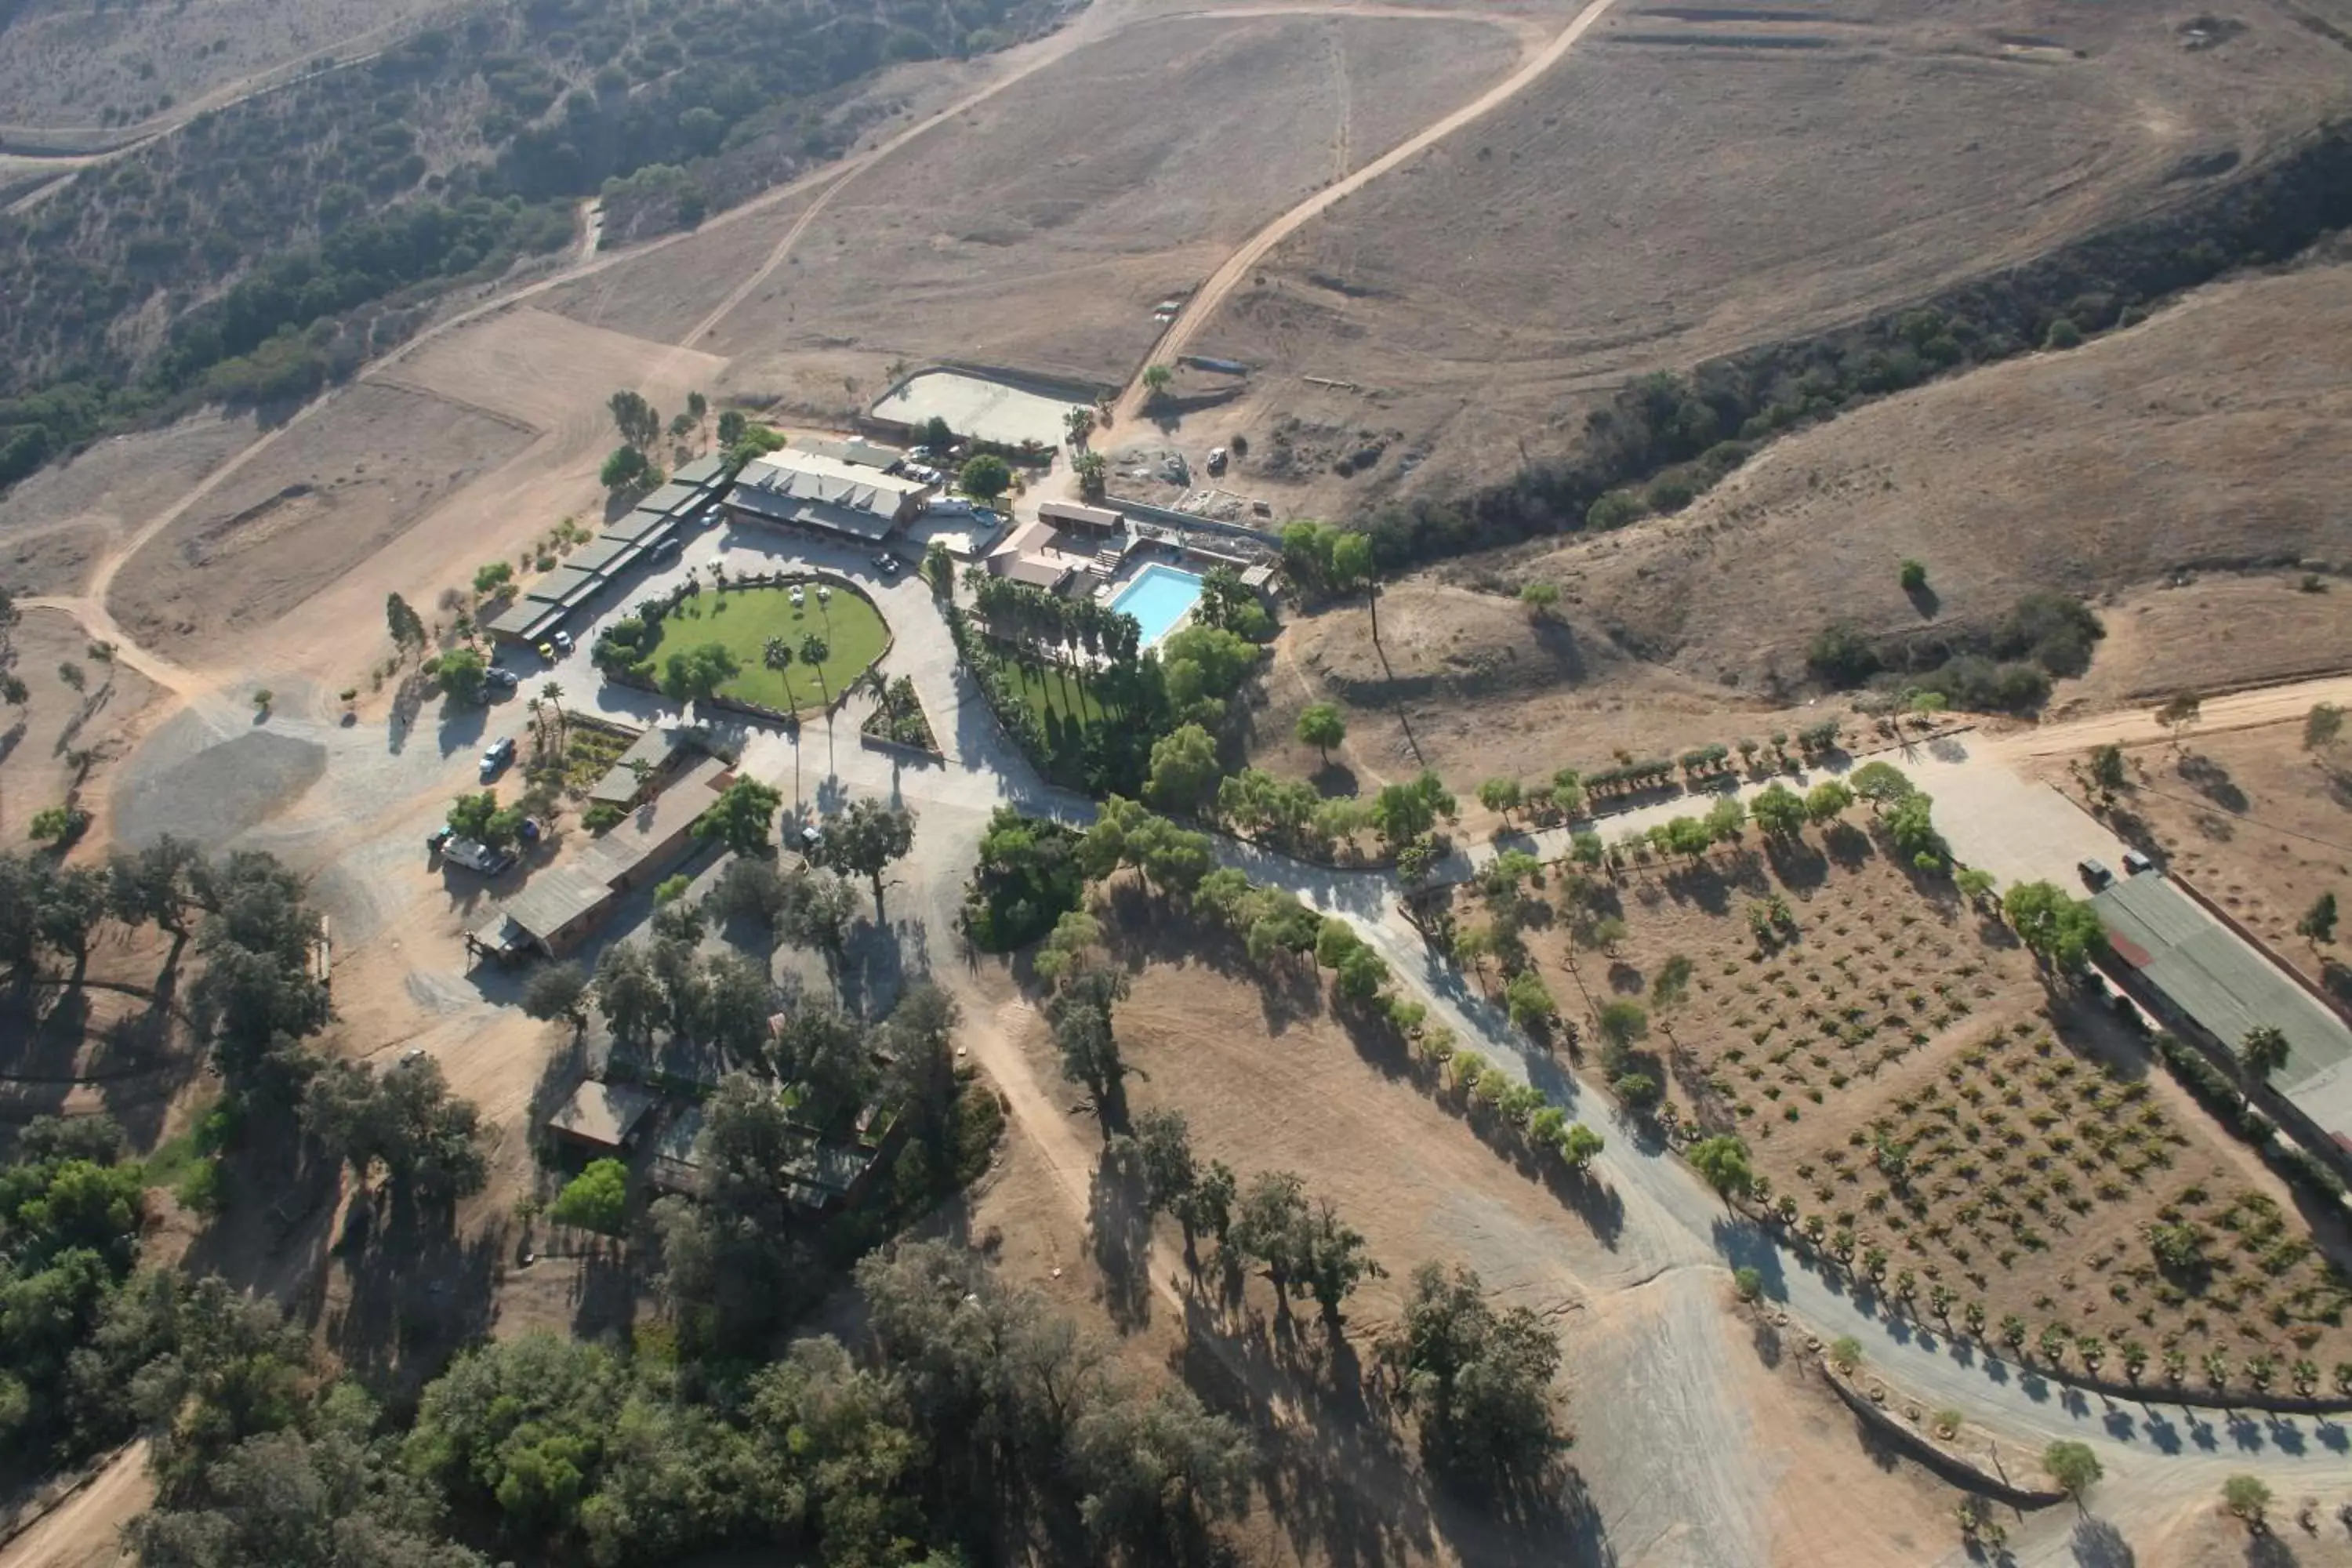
<point x="1158" y="598"/>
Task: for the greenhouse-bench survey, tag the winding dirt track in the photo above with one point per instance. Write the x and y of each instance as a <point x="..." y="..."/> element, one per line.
<point x="1205" y="303"/>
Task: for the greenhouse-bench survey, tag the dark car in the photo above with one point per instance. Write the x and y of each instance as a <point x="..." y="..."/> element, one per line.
<point x="500" y="752"/>
<point x="886" y="564"/>
<point x="503" y="680"/>
<point x="666" y="551"/>
<point x="2095" y="874"/>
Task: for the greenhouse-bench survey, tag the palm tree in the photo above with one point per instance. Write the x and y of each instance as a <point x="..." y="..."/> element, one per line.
<point x="2262" y="1053"/>
<point x="814" y="651"/>
<point x="553" y="692"/>
<point x="777" y="655"/>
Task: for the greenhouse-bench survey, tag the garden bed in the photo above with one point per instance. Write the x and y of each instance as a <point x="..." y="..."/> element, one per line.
<point x="898" y="719"/>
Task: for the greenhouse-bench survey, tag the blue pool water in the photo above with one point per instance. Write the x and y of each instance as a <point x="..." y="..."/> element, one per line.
<point x="1157" y="598"/>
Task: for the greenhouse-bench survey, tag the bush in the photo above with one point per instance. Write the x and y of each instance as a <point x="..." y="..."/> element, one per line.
<point x="1913" y="576"/>
<point x="1841" y="656"/>
<point x="2062" y="334"/>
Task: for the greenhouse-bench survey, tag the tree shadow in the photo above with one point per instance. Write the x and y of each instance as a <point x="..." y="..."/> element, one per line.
<point x="1334" y="780"/>
<point x="2212" y="780"/>
<point x="417" y="1291"/>
<point x="1925" y="600"/>
<point x="2099" y="1544"/>
<point x="1118" y="1232"/>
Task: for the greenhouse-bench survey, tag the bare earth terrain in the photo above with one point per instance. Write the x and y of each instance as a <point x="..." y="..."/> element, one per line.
<point x="1268" y="1080"/>
<point x="1039" y="231"/>
<point x="362" y="473"/>
<point x="2260" y="824"/>
<point x="1691" y="179"/>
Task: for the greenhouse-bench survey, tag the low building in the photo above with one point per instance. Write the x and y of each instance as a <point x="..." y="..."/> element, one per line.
<point x="661" y="750"/>
<point x="1072" y="517"/>
<point x="604" y="1118"/>
<point x="563" y="902"/>
<point x="856" y="450"/>
<point x="1043" y="556"/>
<point x="546" y="603"/>
<point x="805" y="489"/>
<point x="2211" y="986"/>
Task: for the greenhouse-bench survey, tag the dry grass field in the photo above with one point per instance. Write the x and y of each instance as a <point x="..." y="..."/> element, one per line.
<point x="2260" y="824"/>
<point x="363" y="471"/>
<point x="1039" y="230"/>
<point x="2150" y="470"/>
<point x="54" y="523"/>
<point x="1468" y="683"/>
<point x="1689" y="181"/>
<point x="1268" y="1079"/>
<point x="2211" y="437"/>
<point x="1892" y="1058"/>
<point x="67" y="62"/>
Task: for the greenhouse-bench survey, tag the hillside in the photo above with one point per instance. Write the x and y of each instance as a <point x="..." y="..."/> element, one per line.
<point x="2174" y="473"/>
<point x="1688" y="181"/>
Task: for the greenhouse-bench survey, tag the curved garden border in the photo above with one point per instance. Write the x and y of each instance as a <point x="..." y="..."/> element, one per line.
<point x="1951" y="1465"/>
<point x="772" y="580"/>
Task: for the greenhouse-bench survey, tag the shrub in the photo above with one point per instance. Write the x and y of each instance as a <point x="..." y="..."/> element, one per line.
<point x="2062" y="334"/>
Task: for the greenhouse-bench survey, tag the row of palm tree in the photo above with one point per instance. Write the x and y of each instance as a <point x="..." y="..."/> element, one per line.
<point x="777" y="654"/>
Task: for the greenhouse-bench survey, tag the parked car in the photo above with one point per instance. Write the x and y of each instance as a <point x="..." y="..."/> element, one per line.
<point x="563" y="641"/>
<point x="2135" y="863"/>
<point x="500" y="752"/>
<point x="478" y="857"/>
<point x="434" y="840"/>
<point x="547" y="652"/>
<point x="2095" y="874"/>
<point x="666" y="551"/>
<point x="1217" y="459"/>
<point x="503" y="679"/>
<point x="887" y="563"/>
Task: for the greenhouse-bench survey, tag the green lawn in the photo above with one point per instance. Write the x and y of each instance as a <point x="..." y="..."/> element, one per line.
<point x="1053" y="691"/>
<point x="745" y="618"/>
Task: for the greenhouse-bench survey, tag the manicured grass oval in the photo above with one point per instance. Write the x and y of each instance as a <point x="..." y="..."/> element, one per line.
<point x="744" y="619"/>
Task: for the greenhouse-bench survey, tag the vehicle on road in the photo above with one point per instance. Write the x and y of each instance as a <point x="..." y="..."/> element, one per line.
<point x="497" y="755"/>
<point x="2135" y="863"/>
<point x="436" y="839"/>
<point x="2095" y="874"/>
<point x="887" y="563"/>
<point x="547" y="652"/>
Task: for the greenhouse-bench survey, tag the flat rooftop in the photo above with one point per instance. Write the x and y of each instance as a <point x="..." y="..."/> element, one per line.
<point x="977" y="406"/>
<point x="605" y="1114"/>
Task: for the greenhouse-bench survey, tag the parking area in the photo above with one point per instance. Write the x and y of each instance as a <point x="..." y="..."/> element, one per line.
<point x="2018" y="828"/>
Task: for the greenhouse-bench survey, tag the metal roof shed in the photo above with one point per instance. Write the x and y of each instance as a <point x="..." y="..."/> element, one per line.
<point x="2225" y="986"/>
<point x="565" y="585"/>
<point x="640" y="527"/>
<point x="605" y="555"/>
<point x="603" y="1116"/>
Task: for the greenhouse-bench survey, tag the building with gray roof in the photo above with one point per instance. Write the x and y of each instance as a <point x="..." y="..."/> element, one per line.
<point x="808" y="490"/>
<point x="2213" y="986"/>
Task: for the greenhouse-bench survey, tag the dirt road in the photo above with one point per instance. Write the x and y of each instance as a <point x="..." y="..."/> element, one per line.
<point x="1204" y="304"/>
<point x="83" y="1532"/>
<point x="2138" y="727"/>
